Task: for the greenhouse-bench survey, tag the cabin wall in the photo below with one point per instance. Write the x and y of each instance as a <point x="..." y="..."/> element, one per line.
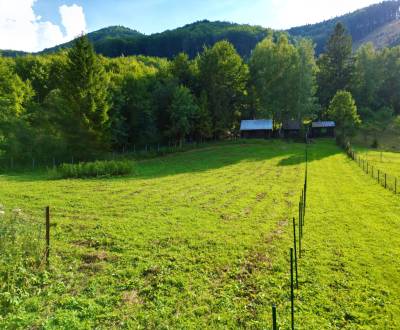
<point x="259" y="134"/>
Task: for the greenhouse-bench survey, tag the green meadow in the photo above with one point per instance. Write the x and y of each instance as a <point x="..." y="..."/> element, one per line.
<point x="200" y="240"/>
<point x="386" y="161"/>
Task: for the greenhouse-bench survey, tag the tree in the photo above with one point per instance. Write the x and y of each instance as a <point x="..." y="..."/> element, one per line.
<point x="335" y="66"/>
<point x="223" y="77"/>
<point x="201" y="120"/>
<point x="15" y="96"/>
<point x="284" y="78"/>
<point x="85" y="91"/>
<point x="343" y="111"/>
<point x="183" y="70"/>
<point x="368" y="77"/>
<point x="183" y="108"/>
<point x="305" y="81"/>
<point x="376" y="122"/>
<point x="389" y="93"/>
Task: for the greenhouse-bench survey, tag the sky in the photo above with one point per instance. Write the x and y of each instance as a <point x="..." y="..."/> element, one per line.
<point x="32" y="25"/>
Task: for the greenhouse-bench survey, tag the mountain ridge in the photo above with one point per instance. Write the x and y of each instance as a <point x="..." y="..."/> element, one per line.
<point x="378" y="23"/>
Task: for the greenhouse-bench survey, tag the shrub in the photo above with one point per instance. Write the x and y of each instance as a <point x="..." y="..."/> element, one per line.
<point x="93" y="169"/>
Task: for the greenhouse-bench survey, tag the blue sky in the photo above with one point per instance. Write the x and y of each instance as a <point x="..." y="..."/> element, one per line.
<point x="149" y="16"/>
<point x="35" y="24"/>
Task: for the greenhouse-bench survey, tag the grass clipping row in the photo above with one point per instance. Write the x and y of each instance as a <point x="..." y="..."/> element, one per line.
<point x="95" y="169"/>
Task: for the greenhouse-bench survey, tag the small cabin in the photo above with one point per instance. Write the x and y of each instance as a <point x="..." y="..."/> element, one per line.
<point x="323" y="129"/>
<point x="256" y="129"/>
<point x="291" y="129"/>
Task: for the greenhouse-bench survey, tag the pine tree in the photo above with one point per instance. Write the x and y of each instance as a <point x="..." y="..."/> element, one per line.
<point x="85" y="91"/>
<point x="336" y="65"/>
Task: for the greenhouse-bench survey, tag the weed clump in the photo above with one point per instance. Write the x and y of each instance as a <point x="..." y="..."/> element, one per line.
<point x="93" y="169"/>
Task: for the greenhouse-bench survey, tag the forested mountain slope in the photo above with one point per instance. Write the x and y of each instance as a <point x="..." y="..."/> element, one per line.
<point x="191" y="39"/>
<point x="377" y="24"/>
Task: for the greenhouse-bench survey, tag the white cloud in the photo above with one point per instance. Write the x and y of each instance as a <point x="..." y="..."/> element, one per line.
<point x="73" y="19"/>
<point x="21" y="29"/>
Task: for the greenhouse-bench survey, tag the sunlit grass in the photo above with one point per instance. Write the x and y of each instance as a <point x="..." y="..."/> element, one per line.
<point x="201" y="239"/>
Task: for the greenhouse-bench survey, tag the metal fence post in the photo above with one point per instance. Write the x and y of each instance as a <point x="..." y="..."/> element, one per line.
<point x="291" y="287"/>
<point x="274" y="323"/>
<point x="295" y="252"/>
<point x="47" y="253"/>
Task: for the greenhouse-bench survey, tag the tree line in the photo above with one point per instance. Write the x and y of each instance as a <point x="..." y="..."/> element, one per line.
<point x="76" y="102"/>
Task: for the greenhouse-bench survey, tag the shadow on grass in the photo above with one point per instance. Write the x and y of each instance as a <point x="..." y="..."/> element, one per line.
<point x="211" y="158"/>
<point x="317" y="150"/>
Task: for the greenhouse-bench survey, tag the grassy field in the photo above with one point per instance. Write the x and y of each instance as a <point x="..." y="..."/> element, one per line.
<point x="389" y="140"/>
<point x="201" y="239"/>
<point x="386" y="161"/>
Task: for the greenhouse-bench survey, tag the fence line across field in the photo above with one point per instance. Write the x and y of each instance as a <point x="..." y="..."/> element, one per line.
<point x="295" y="252"/>
<point x="36" y="162"/>
<point x="386" y="180"/>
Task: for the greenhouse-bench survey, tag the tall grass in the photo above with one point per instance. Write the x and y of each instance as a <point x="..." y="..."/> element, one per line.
<point x="93" y="169"/>
<point x="22" y="251"/>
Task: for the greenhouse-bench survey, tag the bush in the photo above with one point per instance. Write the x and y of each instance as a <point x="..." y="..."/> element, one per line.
<point x="93" y="169"/>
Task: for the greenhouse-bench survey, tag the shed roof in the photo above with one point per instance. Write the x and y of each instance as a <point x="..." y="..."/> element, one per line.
<point x="291" y="125"/>
<point x="323" y="124"/>
<point x="256" y="125"/>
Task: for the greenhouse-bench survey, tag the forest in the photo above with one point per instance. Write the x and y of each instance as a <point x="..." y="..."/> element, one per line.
<point x="76" y="102"/>
<point x="359" y="23"/>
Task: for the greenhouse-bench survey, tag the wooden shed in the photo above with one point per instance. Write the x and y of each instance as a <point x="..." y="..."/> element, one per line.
<point x="323" y="129"/>
<point x="291" y="129"/>
<point x="256" y="129"/>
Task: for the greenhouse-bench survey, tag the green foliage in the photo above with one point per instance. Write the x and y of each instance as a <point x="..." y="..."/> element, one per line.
<point x="76" y="103"/>
<point x="223" y="77"/>
<point x="93" y="169"/>
<point x="183" y="109"/>
<point x="84" y="116"/>
<point x="359" y="23"/>
<point x="335" y="66"/>
<point x="284" y="79"/>
<point x="189" y="39"/>
<point x="343" y="111"/>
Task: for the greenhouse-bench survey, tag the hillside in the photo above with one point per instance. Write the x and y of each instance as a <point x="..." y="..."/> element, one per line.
<point x="190" y="39"/>
<point x="377" y="24"/>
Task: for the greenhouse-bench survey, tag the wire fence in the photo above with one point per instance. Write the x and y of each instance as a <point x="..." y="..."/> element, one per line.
<point x="35" y="162"/>
<point x="388" y="181"/>
<point x="295" y="252"/>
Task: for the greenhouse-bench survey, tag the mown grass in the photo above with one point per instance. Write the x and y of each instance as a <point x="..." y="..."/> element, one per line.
<point x="388" y="162"/>
<point x="201" y="239"/>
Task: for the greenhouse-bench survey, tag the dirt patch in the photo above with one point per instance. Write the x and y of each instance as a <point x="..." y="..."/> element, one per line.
<point x="94" y="257"/>
<point x="131" y="298"/>
<point x="261" y="196"/>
